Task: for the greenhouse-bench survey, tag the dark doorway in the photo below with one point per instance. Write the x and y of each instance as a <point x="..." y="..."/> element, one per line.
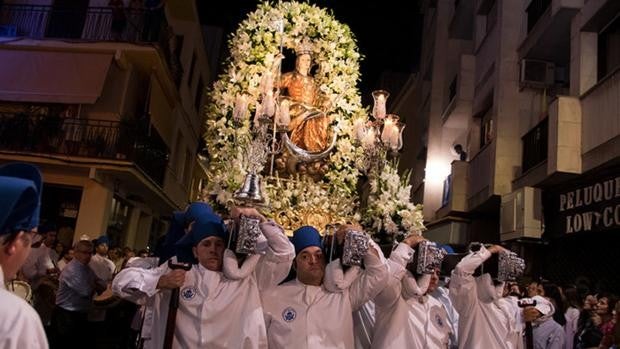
<point x="60" y="206"/>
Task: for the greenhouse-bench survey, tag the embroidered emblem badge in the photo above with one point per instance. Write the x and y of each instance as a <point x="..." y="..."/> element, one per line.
<point x="289" y="314"/>
<point x="438" y="320"/>
<point x="188" y="292"/>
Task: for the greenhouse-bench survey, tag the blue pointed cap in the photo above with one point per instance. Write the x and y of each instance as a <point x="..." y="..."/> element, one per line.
<point x="306" y="236"/>
<point x="209" y="224"/>
<point x="176" y="230"/>
<point x="20" y="197"/>
<point x="196" y="210"/>
<point x="102" y="240"/>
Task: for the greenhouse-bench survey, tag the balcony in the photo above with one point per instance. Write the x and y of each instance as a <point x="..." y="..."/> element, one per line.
<point x="462" y="23"/>
<point x="596" y="15"/>
<point x="461" y="93"/>
<point x="601" y="121"/>
<point x="92" y="23"/>
<point x="454" y="197"/>
<point x="86" y="138"/>
<point x="549" y="33"/>
<point x="480" y="174"/>
<point x="552" y="149"/>
<point x="535" y="146"/>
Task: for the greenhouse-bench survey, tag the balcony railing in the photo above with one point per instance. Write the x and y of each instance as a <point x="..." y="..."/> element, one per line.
<point x="92" y="23"/>
<point x="535" y="145"/>
<point x="102" y="139"/>
<point x="534" y="11"/>
<point x="95" y="24"/>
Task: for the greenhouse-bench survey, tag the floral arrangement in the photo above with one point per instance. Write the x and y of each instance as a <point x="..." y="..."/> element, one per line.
<point x="254" y="48"/>
<point x="389" y="205"/>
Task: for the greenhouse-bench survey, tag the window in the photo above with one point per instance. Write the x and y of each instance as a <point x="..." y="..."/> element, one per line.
<point x="192" y="65"/>
<point x="491" y="17"/>
<point x="187" y="173"/>
<point x="452" y="89"/>
<point x="486" y="127"/>
<point x="118" y="221"/>
<point x="178" y="156"/>
<point x="535" y="10"/>
<point x="486" y="132"/>
<point x="609" y="48"/>
<point x="199" y="93"/>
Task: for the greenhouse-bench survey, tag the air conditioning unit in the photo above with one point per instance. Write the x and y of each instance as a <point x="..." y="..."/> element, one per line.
<point x="521" y="214"/>
<point x="536" y="74"/>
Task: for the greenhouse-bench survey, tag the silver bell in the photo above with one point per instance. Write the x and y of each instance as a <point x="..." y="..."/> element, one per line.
<point x="250" y="191"/>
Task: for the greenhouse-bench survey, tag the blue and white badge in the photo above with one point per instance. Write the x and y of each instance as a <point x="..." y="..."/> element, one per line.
<point x="189" y="292"/>
<point x="289" y="314"/>
<point x="438" y="320"/>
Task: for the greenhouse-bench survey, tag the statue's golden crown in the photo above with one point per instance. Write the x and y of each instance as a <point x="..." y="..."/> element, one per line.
<point x="304" y="47"/>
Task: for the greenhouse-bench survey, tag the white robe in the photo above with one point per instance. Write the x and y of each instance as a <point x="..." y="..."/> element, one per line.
<point x="103" y="267"/>
<point x="485" y="319"/>
<point x="570" y="328"/>
<point x="442" y="294"/>
<point x="20" y="325"/>
<point x="405" y="316"/>
<point x="214" y="312"/>
<point x="36" y="265"/>
<point x="306" y="317"/>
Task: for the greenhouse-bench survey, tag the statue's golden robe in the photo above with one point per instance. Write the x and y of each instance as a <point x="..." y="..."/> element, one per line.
<point x="309" y="125"/>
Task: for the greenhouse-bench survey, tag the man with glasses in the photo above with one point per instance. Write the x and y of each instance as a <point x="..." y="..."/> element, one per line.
<point x="78" y="284"/>
<point x="20" y="198"/>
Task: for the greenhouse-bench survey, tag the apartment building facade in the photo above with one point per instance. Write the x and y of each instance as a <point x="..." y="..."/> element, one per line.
<point x="108" y="103"/>
<point x="529" y="91"/>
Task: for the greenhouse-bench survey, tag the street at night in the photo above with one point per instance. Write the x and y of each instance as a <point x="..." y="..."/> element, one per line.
<point x="312" y="174"/>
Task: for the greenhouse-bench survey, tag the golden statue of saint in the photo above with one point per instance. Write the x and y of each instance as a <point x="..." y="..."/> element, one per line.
<point x="309" y="124"/>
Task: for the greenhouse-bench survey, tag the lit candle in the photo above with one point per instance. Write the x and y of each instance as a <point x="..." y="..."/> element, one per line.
<point x="266" y="84"/>
<point x="269" y="104"/>
<point x="380" y="110"/>
<point x="386" y="133"/>
<point x="396" y="141"/>
<point x="257" y="114"/>
<point x="284" y="115"/>
<point x="368" y="141"/>
<point x="395" y="137"/>
<point x="241" y="108"/>
<point x="358" y="128"/>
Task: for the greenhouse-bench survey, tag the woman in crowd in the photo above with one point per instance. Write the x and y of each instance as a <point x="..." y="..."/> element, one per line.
<point x="571" y="314"/>
<point x="604" y="318"/>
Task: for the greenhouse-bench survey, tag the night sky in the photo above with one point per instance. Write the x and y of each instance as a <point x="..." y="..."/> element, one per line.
<point x="387" y="31"/>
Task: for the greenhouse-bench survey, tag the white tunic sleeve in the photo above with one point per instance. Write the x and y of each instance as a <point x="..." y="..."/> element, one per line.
<point x="274" y="266"/>
<point x="462" y="284"/>
<point x="396" y="270"/>
<point x="137" y="284"/>
<point x="413" y="287"/>
<point x="371" y="281"/>
<point x="336" y="280"/>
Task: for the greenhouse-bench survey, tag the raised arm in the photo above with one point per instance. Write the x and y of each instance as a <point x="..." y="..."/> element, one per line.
<point x="413" y="287"/>
<point x="274" y="266"/>
<point x="397" y="268"/>
<point x="138" y="284"/>
<point x="371" y="281"/>
<point x="463" y="292"/>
